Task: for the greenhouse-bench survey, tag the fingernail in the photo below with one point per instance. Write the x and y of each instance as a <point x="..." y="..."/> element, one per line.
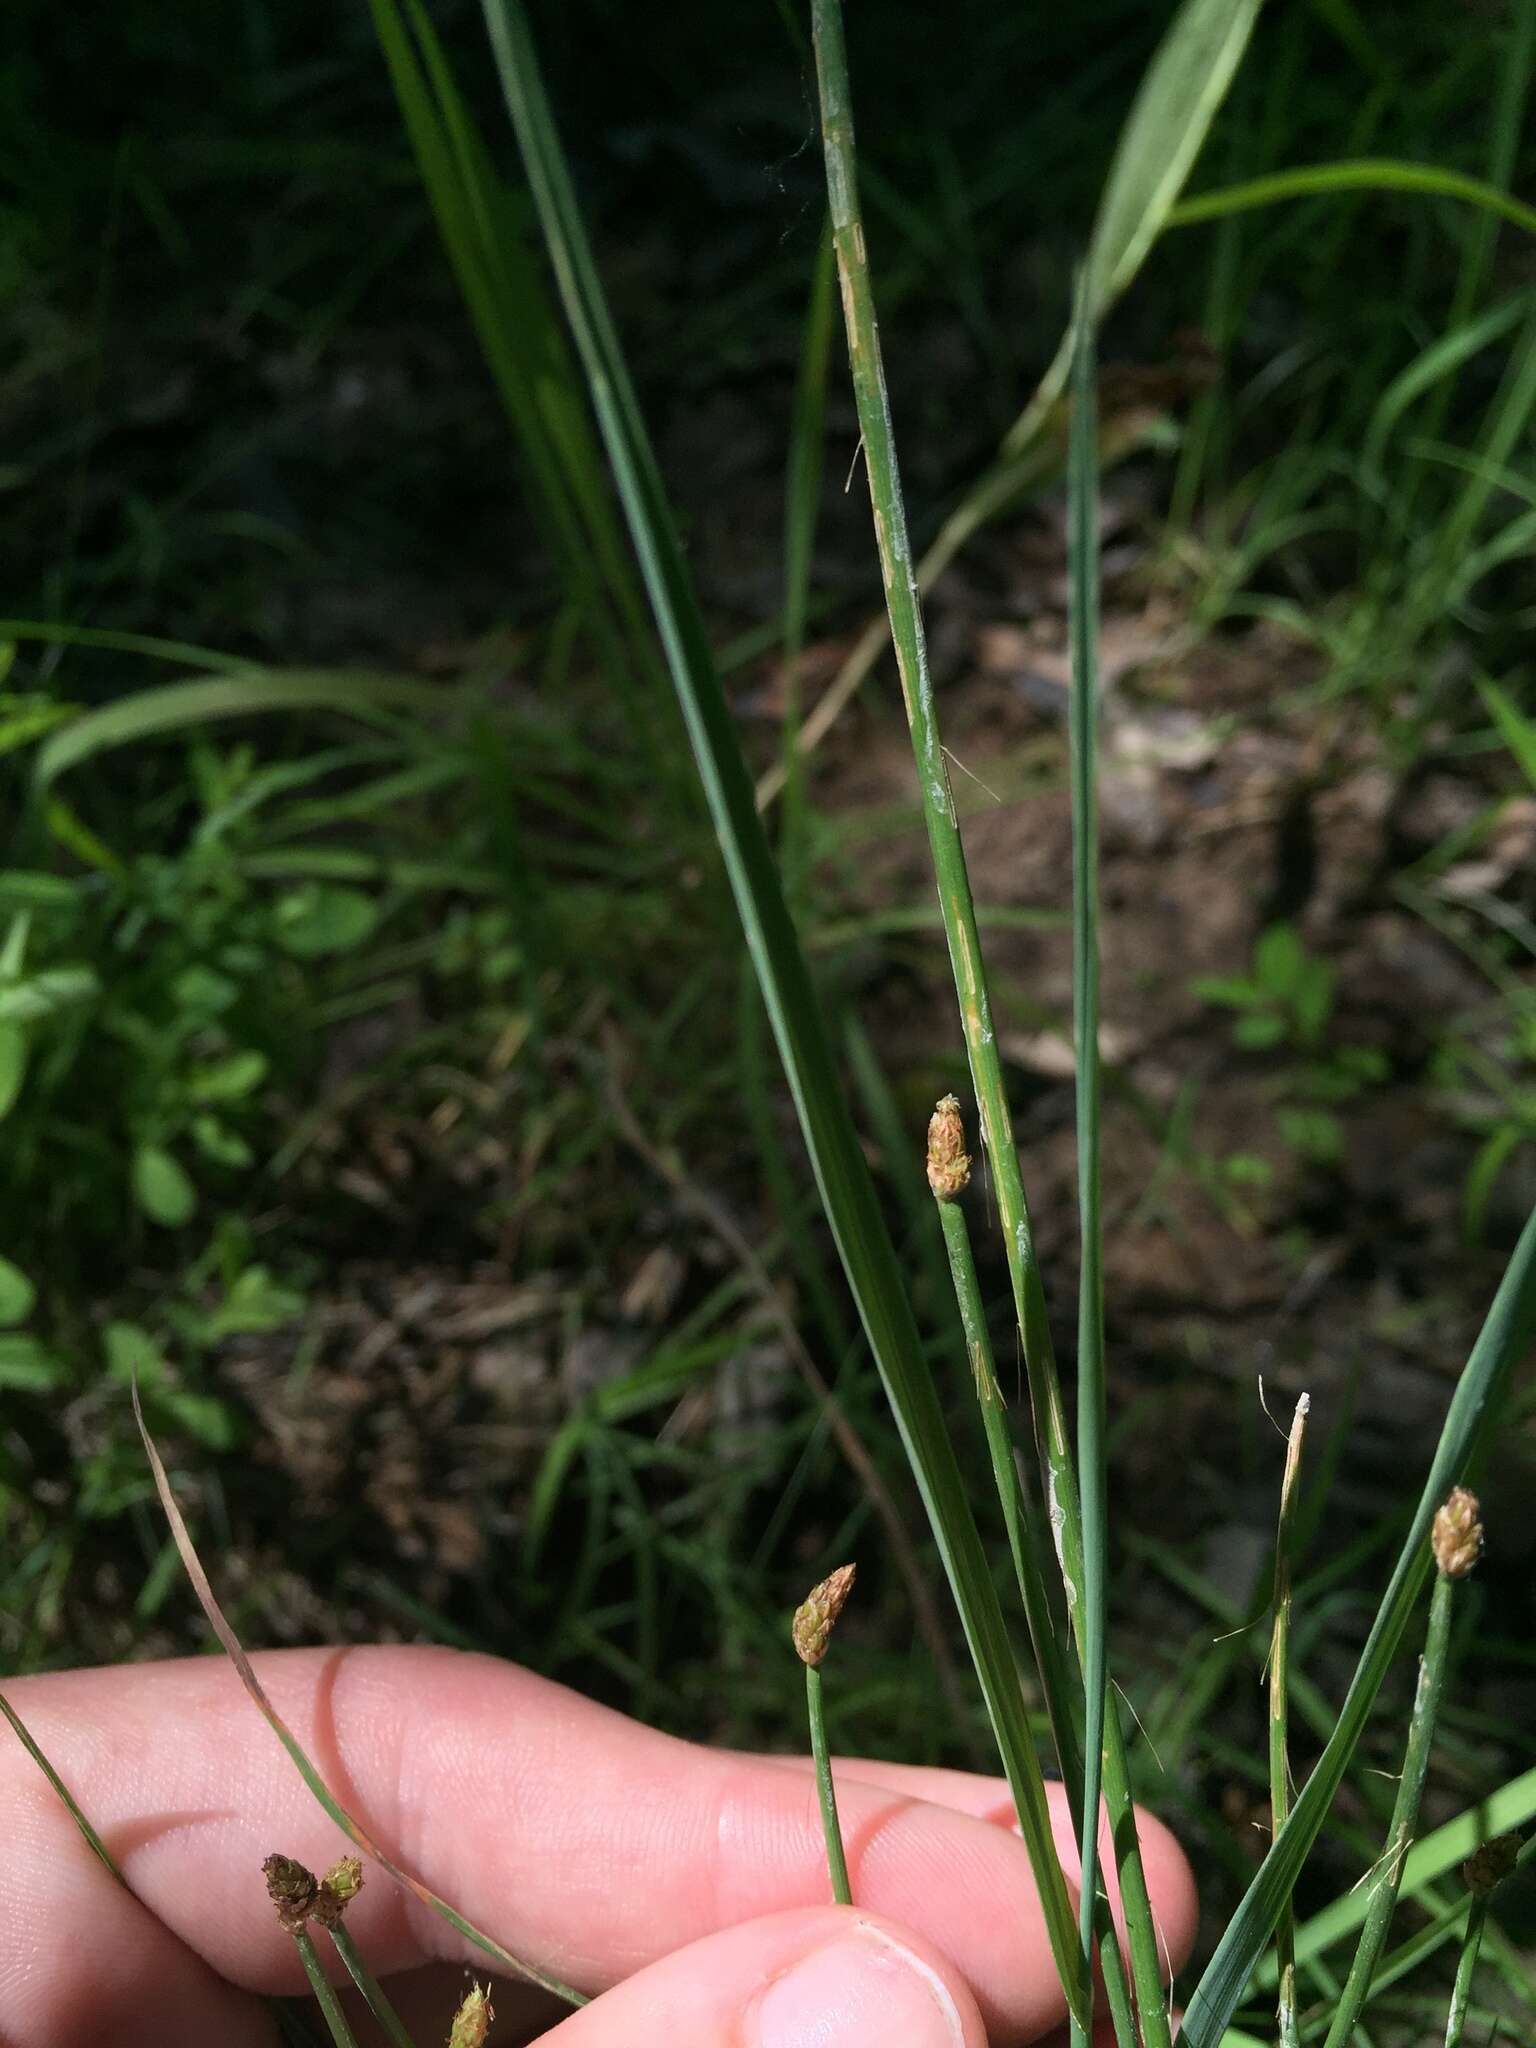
<point x="860" y="1992"/>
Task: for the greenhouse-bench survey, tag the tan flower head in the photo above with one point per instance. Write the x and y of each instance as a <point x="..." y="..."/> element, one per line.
<point x="1457" y="1535"/>
<point x="949" y="1164"/>
<point x="816" y="1616"/>
<point x="1489" y="1864"/>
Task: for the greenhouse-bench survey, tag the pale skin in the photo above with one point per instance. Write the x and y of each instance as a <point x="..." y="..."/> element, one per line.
<point x="683" y="1888"/>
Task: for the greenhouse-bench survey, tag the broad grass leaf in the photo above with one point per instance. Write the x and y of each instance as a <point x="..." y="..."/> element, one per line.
<point x="17" y="1294"/>
<point x="13" y="1065"/>
<point x="162" y="1187"/>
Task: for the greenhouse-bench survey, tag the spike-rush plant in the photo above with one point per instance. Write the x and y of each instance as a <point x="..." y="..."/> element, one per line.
<point x="1185" y="83"/>
<point x="1054" y="1519"/>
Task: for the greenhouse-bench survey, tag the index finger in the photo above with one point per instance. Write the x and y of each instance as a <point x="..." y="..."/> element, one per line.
<point x="589" y="1845"/>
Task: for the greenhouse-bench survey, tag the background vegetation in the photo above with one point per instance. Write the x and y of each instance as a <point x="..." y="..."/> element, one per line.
<point x="377" y="1053"/>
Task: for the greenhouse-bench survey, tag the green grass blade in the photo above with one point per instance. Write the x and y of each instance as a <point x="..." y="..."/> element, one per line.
<point x="1357" y="174"/>
<point x="842" y="1174"/>
<point x="70" y="1803"/>
<point x="253" y="692"/>
<point x="1185" y="84"/>
<point x="353" y="1829"/>
<point x="526" y="352"/>
<point x="802" y="499"/>
<point x="55" y="633"/>
<point x="1083" y="725"/>
<point x="1506" y="1333"/>
<point x="1433" y="367"/>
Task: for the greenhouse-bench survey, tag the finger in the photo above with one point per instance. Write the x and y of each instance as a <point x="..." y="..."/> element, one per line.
<point x="82" y="1961"/>
<point x="589" y="1845"/>
<point x="1170" y="1882"/>
<point x="823" y="1978"/>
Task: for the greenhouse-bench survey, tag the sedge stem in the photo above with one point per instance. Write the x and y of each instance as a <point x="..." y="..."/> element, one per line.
<point x="1279" y="1702"/>
<point x="325" y="1995"/>
<point x="826" y="1792"/>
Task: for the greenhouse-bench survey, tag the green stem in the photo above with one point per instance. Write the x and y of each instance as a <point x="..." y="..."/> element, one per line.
<point x="369" y="1986"/>
<point x="1083" y="722"/>
<point x="959" y="916"/>
<point x="325" y="1995"/>
<point x="837" y="1862"/>
<point x="1461" y="1990"/>
<point x="1279" y="1704"/>
<point x="1026" y="1551"/>
<point x="1405" y="1812"/>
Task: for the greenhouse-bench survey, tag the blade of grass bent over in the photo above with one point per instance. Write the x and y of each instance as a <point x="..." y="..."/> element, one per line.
<point x="1506" y="1334"/>
<point x="842" y="1173"/>
<point x="353" y="1829"/>
<point x="963" y="940"/>
<point x="1364" y="174"/>
<point x="1083" y="725"/>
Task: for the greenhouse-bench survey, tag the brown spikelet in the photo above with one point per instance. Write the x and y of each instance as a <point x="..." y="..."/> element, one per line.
<point x="816" y="1616"/>
<point x="292" y="1889"/>
<point x="1457" y="1535"/>
<point x="949" y="1164"/>
<point x="1489" y="1864"/>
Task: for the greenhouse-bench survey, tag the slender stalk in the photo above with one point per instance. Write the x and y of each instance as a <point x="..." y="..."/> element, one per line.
<point x="1484" y="1871"/>
<point x="948" y="1172"/>
<point x="959" y="916"/>
<point x="1457" y="1540"/>
<point x="369" y="1985"/>
<point x="1279" y="1707"/>
<point x="1466" y="1966"/>
<point x="325" y="1996"/>
<point x="826" y="1792"/>
<point x="1083" y="724"/>
<point x="811" y="1633"/>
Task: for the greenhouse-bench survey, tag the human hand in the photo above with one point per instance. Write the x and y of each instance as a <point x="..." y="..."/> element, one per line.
<point x="684" y="1885"/>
